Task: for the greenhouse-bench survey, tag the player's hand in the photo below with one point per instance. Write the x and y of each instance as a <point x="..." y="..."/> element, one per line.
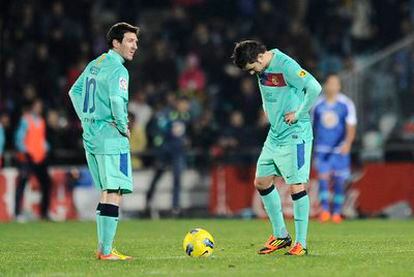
<point x="290" y="118"/>
<point x="127" y="134"/>
<point x="345" y="148"/>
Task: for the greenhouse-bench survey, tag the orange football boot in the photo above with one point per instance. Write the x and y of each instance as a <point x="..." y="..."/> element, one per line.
<point x="297" y="250"/>
<point x="337" y="218"/>
<point x="274" y="244"/>
<point x="114" y="256"/>
<point x="324" y="216"/>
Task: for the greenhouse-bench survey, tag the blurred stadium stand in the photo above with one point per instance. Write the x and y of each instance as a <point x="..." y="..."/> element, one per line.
<point x="184" y="49"/>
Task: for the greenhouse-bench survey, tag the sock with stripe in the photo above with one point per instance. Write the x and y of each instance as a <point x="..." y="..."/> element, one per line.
<point x="109" y="223"/>
<point x="339" y="197"/>
<point x="301" y="208"/>
<point x="324" y="194"/>
<point x="273" y="207"/>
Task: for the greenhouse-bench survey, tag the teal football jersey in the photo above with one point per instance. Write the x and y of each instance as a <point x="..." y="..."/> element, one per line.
<point x="282" y="86"/>
<point x="100" y="99"/>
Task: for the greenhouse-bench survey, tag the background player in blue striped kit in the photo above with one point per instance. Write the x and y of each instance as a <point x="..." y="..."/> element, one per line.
<point x="334" y="120"/>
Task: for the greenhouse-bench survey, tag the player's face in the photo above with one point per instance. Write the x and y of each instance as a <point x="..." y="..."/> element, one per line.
<point x="128" y="46"/>
<point x="38" y="107"/>
<point x="332" y="85"/>
<point x="255" y="67"/>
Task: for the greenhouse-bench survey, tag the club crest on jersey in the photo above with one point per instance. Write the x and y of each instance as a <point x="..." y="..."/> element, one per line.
<point x="302" y="73"/>
<point x="272" y="79"/>
<point x="329" y="119"/>
<point x="123" y="84"/>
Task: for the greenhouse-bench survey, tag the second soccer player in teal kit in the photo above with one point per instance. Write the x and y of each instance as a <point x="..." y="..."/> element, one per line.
<point x="100" y="99"/>
<point x="288" y="93"/>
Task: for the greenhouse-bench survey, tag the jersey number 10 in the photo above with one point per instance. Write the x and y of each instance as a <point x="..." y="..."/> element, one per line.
<point x="90" y="84"/>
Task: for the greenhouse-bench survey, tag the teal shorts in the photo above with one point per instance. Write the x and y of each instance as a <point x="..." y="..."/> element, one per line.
<point x="111" y="172"/>
<point x="292" y="162"/>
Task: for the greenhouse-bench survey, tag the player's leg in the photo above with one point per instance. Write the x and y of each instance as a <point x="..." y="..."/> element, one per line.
<point x="160" y="166"/>
<point x="116" y="178"/>
<point x="264" y="183"/>
<point x="341" y="174"/>
<point x="93" y="169"/>
<point x="153" y="184"/>
<point x="42" y="175"/>
<point x="301" y="207"/>
<point x="294" y="163"/>
<point x="322" y="164"/>
<point x="21" y="180"/>
<point x="178" y="165"/>
<point x="109" y="217"/>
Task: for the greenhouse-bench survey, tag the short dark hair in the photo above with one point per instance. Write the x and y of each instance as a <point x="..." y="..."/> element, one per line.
<point x="117" y="32"/>
<point x="246" y="52"/>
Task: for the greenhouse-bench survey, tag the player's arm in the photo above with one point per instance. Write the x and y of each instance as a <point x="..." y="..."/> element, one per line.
<point x="118" y="91"/>
<point x="75" y="94"/>
<point x="2" y="140"/>
<point x="303" y="81"/>
<point x="351" y="121"/>
<point x="312" y="91"/>
<point x="20" y="135"/>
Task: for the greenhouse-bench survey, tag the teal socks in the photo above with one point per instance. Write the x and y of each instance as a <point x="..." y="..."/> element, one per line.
<point x="273" y="207"/>
<point x="301" y="208"/>
<point x="108" y="224"/>
<point x="99" y="226"/>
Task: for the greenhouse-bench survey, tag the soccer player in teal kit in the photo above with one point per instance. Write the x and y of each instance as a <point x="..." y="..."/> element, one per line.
<point x="100" y="99"/>
<point x="288" y="93"/>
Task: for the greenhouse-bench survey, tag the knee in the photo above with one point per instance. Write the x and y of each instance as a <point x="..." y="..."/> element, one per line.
<point x="324" y="176"/>
<point x="262" y="183"/>
<point x="297" y="188"/>
<point x="113" y="198"/>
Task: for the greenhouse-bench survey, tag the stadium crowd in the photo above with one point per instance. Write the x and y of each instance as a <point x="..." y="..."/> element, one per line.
<point x="183" y="54"/>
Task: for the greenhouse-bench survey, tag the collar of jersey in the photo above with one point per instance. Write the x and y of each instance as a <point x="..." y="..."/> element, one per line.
<point x="272" y="61"/>
<point x="115" y="54"/>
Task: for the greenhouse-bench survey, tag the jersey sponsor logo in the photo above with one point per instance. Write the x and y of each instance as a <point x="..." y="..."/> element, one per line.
<point x="123" y="84"/>
<point x="272" y="79"/>
<point x="302" y="73"/>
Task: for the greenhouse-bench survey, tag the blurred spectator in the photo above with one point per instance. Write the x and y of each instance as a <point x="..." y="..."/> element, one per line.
<point x="176" y="26"/>
<point x="57" y="134"/>
<point x="46" y="83"/>
<point x="139" y="107"/>
<point x="236" y="139"/>
<point x="362" y="29"/>
<point x="162" y="68"/>
<point x="192" y="78"/>
<point x="172" y="143"/>
<point x="137" y="141"/>
<point x="248" y="101"/>
<point x="73" y="72"/>
<point x="32" y="150"/>
<point x="4" y="121"/>
<point x="204" y="132"/>
<point x="203" y="138"/>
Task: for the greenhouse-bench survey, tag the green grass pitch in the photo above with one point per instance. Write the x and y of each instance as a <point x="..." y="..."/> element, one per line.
<point x="354" y="248"/>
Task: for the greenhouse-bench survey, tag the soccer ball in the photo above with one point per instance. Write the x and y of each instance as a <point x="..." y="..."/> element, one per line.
<point x="198" y="243"/>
